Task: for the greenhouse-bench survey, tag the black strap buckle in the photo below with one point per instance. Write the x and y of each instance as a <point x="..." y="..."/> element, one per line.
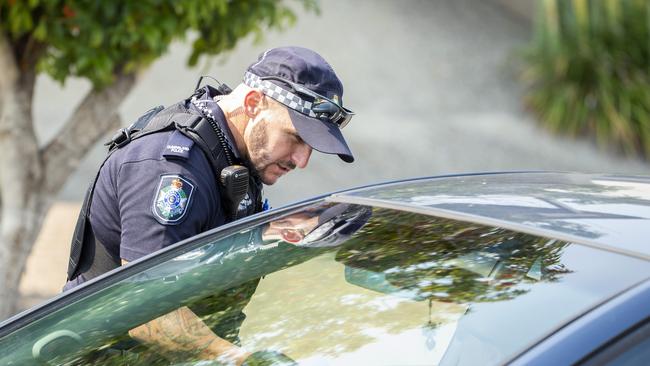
<point x="121" y="138"/>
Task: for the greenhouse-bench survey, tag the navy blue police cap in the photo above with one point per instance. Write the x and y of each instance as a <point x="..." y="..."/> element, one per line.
<point x="282" y="74"/>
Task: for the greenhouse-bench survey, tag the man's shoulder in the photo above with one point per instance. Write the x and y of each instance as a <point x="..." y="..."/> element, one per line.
<point x="149" y="146"/>
<point x="158" y="153"/>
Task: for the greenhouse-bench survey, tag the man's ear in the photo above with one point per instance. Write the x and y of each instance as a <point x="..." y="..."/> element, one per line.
<point x="253" y="102"/>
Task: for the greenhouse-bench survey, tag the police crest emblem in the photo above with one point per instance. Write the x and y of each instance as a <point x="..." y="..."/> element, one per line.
<point x="172" y="199"/>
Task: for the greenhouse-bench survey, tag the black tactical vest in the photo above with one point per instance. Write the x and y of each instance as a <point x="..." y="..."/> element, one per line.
<point x="87" y="254"/>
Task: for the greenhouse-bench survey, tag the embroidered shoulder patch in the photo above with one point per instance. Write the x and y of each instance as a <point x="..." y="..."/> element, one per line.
<point x="172" y="199"/>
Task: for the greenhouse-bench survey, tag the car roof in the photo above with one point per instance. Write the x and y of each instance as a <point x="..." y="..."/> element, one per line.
<point x="607" y="212"/>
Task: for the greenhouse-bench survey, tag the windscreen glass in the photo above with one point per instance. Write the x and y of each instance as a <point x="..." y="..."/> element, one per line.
<point x="335" y="284"/>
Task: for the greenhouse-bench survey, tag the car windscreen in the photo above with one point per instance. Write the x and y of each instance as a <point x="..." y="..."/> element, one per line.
<point x="340" y="284"/>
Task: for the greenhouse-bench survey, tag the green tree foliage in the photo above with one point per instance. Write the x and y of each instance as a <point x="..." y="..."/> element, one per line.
<point x="96" y="39"/>
<point x="588" y="68"/>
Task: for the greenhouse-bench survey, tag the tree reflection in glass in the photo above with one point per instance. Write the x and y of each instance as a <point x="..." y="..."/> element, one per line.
<point x="451" y="261"/>
<point x="402" y="281"/>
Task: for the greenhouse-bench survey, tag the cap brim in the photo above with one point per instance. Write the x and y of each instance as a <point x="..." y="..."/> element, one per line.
<point x="322" y="136"/>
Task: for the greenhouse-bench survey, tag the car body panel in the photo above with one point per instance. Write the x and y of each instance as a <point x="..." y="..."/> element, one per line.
<point x="584" y="336"/>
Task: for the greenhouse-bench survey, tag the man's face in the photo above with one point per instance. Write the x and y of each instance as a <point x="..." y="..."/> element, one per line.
<point x="292" y="228"/>
<point x="274" y="146"/>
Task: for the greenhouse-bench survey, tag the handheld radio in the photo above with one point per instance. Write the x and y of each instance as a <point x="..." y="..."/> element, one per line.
<point x="234" y="180"/>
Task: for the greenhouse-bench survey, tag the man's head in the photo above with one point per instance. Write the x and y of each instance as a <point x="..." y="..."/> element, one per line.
<point x="293" y="103"/>
<point x="326" y="225"/>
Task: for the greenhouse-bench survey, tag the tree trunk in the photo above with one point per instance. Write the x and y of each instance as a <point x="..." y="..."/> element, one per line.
<point x="21" y="213"/>
<point x="93" y="118"/>
<point x="31" y="179"/>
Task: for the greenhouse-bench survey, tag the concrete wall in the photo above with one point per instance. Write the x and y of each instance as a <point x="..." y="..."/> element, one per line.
<point x="523" y="9"/>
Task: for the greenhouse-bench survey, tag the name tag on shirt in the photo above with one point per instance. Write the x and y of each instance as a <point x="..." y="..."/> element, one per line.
<point x="178" y="146"/>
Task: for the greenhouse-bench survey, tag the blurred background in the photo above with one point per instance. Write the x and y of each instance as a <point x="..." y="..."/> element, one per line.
<point x="439" y="87"/>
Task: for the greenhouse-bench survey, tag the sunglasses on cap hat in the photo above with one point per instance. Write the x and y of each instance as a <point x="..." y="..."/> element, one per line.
<point x="320" y="106"/>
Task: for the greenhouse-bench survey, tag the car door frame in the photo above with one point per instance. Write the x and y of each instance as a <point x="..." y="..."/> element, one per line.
<point x="592" y="332"/>
<point x="116" y="275"/>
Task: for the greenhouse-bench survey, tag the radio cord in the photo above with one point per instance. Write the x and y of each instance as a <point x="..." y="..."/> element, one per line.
<point x="215" y="126"/>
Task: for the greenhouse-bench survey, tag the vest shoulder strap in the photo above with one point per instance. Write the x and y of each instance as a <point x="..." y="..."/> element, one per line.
<point x="177" y="116"/>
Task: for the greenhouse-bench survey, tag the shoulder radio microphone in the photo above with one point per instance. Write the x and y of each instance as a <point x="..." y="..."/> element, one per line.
<point x="234" y="180"/>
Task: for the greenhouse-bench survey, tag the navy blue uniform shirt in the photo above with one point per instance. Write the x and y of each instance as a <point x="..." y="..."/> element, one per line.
<point x="154" y="192"/>
<point x="160" y="189"/>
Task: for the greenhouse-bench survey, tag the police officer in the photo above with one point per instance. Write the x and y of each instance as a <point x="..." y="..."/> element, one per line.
<point x="168" y="176"/>
<point x="164" y="185"/>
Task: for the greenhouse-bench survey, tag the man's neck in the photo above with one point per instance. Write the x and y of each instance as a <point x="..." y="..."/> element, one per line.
<point x="237" y="120"/>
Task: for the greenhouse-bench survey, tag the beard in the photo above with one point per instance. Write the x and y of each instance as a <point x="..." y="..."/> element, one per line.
<point x="260" y="155"/>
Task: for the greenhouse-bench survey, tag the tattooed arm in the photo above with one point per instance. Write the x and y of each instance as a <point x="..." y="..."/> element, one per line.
<point x="181" y="331"/>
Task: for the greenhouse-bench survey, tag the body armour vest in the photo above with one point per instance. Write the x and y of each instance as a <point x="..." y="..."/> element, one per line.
<point x="88" y="256"/>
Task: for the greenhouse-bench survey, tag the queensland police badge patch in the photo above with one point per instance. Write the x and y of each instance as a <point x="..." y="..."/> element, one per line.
<point x="172" y="199"/>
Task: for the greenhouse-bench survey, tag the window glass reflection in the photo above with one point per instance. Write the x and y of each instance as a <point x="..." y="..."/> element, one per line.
<point x="340" y="284"/>
<point x="411" y="289"/>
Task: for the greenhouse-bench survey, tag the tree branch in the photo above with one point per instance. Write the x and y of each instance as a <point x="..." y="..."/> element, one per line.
<point x="94" y="117"/>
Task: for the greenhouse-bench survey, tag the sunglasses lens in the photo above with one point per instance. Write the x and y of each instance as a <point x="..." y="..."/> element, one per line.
<point x="344" y="119"/>
<point x="333" y="113"/>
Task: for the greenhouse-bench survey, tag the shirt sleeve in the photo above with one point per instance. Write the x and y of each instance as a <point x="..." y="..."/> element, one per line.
<point x="163" y="201"/>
